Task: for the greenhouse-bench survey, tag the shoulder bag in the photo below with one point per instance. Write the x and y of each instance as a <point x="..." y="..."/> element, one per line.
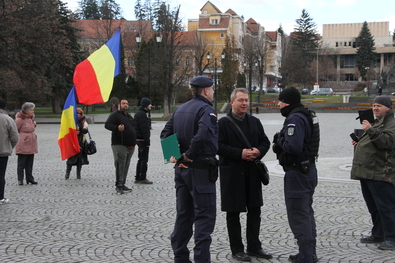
<point x="90" y="147"/>
<point x="263" y="171"/>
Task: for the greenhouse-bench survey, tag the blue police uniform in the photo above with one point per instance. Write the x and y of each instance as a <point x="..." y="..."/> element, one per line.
<point x="195" y="123"/>
<point x="299" y="186"/>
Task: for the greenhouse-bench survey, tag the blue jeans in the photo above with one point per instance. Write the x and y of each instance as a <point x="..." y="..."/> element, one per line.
<point x="380" y="200"/>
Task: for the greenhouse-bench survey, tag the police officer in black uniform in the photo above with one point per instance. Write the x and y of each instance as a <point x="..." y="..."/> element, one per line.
<point x="292" y="146"/>
<point x="196" y="126"/>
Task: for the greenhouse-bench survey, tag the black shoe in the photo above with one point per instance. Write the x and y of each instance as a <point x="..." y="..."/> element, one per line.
<point x="260" y="254"/>
<point x="119" y="190"/>
<point x="126" y="189"/>
<point x="67" y="176"/>
<point x="20" y="182"/>
<point x="294" y="258"/>
<point x="371" y="239"/>
<point x="31" y="182"/>
<point x="145" y="181"/>
<point x="241" y="256"/>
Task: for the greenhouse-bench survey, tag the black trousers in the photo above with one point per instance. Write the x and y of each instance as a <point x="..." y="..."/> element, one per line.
<point x="25" y="166"/>
<point x="380" y="200"/>
<point x="253" y="227"/>
<point x="142" y="163"/>
<point x="3" y="167"/>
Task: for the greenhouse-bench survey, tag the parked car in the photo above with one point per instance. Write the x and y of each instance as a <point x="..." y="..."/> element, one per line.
<point x="305" y="91"/>
<point x="322" y="92"/>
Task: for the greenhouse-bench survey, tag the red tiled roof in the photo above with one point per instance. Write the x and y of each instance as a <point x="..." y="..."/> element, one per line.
<point x="230" y="11"/>
<point x="272" y="35"/>
<point x="204" y="23"/>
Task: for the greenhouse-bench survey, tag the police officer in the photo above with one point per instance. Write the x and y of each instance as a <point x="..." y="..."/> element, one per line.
<point x="292" y="146"/>
<point x="195" y="124"/>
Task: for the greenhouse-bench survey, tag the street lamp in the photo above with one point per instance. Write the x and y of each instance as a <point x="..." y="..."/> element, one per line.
<point x="215" y="76"/>
<point x="158" y="40"/>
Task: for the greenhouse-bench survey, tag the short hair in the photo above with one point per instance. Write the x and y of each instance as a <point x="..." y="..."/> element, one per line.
<point x="234" y="92"/>
<point x="197" y="90"/>
<point x="2" y="103"/>
<point x="28" y="106"/>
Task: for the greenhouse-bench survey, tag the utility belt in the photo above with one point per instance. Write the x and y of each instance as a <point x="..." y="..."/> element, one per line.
<point x="209" y="164"/>
<point x="303" y="167"/>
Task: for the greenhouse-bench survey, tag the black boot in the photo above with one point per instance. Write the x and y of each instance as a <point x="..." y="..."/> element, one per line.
<point x="68" y="170"/>
<point x="78" y="172"/>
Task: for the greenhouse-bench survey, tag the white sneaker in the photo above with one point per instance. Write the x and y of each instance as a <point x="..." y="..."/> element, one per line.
<point x="4" y="201"/>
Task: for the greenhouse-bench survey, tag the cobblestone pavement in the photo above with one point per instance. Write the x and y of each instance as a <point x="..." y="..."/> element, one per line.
<point x="84" y="220"/>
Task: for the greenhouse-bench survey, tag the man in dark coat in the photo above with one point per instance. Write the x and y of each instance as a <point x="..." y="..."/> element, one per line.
<point x="143" y="133"/>
<point x="241" y="189"/>
<point x="123" y="141"/>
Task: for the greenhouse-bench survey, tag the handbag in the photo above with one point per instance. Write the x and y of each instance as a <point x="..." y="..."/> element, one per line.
<point x="263" y="171"/>
<point x="90" y="147"/>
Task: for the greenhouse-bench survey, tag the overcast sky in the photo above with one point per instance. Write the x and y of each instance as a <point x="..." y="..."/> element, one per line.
<point x="272" y="13"/>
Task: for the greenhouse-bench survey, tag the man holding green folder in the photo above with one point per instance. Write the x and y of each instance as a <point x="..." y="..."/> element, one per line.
<point x="196" y="171"/>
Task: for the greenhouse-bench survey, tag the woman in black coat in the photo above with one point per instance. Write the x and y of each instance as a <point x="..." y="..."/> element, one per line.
<point x="80" y="158"/>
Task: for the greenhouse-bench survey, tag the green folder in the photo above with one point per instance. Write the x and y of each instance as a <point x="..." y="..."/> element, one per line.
<point x="170" y="147"/>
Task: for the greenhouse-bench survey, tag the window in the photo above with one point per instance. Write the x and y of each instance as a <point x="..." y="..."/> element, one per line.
<point x="337" y="44"/>
<point x="378" y="60"/>
<point x="221" y="35"/>
<point x="349" y="44"/>
<point x="214" y="21"/>
<point x="350" y="77"/>
<point x="347" y="61"/>
<point x="130" y="62"/>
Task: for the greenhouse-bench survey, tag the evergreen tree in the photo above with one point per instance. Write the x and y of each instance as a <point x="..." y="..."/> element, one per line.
<point x="365" y="56"/>
<point x="139" y="11"/>
<point x="300" y="50"/>
<point x="89" y="9"/>
<point x="109" y="10"/>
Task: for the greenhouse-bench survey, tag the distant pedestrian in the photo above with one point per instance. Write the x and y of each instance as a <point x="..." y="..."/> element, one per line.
<point x="374" y="166"/>
<point x="142" y="124"/>
<point x="26" y="147"/>
<point x="80" y="158"/>
<point x="8" y="139"/>
<point x="123" y="141"/>
<point x="380" y="91"/>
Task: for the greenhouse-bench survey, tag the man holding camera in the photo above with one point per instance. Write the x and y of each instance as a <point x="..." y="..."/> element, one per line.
<point x="373" y="165"/>
<point x="296" y="146"/>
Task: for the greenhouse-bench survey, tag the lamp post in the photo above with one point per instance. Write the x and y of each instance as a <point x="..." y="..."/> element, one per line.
<point x="215" y="76"/>
<point x="250" y="63"/>
<point x="158" y="40"/>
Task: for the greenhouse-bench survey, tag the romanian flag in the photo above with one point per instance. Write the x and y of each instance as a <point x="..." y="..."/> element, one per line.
<point x="68" y="140"/>
<point x="94" y="77"/>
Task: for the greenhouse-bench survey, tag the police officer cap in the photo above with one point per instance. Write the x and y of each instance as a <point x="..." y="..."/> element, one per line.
<point x="383" y="100"/>
<point x="290" y="95"/>
<point x="202" y="81"/>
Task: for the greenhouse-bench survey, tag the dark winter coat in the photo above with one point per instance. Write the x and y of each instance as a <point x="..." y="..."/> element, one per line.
<point x="234" y="170"/>
<point x="142" y="126"/>
<point x="128" y="136"/>
<point x="374" y="156"/>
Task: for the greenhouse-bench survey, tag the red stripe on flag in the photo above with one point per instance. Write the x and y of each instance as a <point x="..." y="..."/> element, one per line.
<point x="69" y="145"/>
<point x="85" y="80"/>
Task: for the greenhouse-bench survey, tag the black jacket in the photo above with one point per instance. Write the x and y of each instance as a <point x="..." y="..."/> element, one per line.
<point x="236" y="195"/>
<point x="142" y="125"/>
<point x="128" y="136"/>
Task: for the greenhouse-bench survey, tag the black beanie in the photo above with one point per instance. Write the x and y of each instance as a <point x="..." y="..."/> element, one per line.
<point x="383" y="100"/>
<point x="290" y="95"/>
<point x="145" y="102"/>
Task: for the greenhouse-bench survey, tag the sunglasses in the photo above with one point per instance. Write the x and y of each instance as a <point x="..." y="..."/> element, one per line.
<point x="79" y="113"/>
